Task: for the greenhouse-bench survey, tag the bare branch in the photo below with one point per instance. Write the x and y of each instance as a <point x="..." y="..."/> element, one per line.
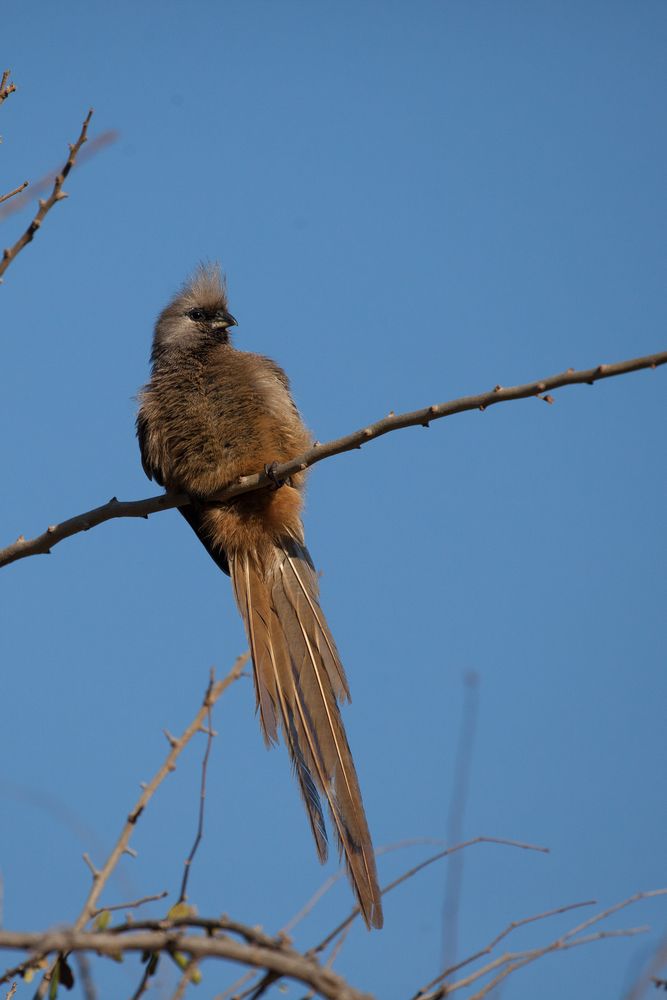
<point x="417" y="868"/>
<point x="101" y="876"/>
<point x="133" y="905"/>
<point x="202" y="805"/>
<point x="505" y="965"/>
<point x="342" y="873"/>
<point x="191" y="970"/>
<point x="6" y="88"/>
<point x="149" y="971"/>
<point x="42" y="544"/>
<point x="280" y="958"/>
<point x="253" y="935"/>
<point x="286" y="929"/>
<point x="515" y="962"/>
<point x="514" y="925"/>
<point x="12" y="194"/>
<point x="92" y="147"/>
<point x="277" y="959"/>
<point x="45" y="205"/>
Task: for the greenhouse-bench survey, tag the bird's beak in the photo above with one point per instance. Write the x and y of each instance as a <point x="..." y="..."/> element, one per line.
<point x="228" y="320"/>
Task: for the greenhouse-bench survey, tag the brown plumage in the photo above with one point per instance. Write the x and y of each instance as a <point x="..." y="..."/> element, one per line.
<point x="210" y="414"/>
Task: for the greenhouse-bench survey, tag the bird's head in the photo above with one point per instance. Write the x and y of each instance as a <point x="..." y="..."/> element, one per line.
<point x="198" y="315"/>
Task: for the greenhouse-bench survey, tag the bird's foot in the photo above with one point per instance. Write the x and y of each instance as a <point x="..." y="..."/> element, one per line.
<point x="276" y="480"/>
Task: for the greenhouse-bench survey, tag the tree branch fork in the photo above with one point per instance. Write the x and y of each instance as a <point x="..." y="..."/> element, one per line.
<point x="540" y="388"/>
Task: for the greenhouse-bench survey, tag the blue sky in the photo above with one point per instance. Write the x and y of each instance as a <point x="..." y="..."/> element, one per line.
<point x="412" y="202"/>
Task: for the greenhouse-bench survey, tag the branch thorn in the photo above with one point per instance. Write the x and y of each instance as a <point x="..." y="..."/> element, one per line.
<point x="93" y="870"/>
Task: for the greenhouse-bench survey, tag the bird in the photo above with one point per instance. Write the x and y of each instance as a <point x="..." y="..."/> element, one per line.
<point x="210" y="414"/>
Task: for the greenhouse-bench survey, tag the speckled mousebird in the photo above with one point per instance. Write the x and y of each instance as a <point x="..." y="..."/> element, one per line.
<point x="210" y="414"/>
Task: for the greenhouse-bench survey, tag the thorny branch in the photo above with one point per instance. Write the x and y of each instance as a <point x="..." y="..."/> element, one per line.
<point x="187" y="867"/>
<point x="46" y="204"/>
<point x="279" y="957"/>
<point x="310" y="904"/>
<point x="42" y="544"/>
<point x="6" y="88"/>
<point x="177" y="745"/>
<point x="276" y="957"/>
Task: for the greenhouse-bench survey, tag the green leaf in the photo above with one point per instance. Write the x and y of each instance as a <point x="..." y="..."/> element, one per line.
<point x="102" y="920"/>
<point x="180" y="911"/>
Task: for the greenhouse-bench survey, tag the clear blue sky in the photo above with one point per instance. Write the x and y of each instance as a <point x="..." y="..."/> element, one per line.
<point x="412" y="202"/>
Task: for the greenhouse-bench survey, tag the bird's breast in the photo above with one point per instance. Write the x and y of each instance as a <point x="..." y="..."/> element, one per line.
<point x="216" y="426"/>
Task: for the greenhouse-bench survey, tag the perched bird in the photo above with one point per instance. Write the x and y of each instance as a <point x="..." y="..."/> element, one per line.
<point x="210" y="414"/>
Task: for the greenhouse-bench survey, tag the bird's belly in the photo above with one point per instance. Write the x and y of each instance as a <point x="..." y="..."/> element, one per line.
<point x="208" y="450"/>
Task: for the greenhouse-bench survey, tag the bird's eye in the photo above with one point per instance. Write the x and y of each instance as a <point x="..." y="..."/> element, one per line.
<point x="197" y="315"/>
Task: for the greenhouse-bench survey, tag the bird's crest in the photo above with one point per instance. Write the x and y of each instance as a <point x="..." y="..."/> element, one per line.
<point x="205" y="289"/>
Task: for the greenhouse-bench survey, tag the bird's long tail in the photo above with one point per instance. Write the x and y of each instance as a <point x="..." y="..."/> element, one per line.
<point x="299" y="680"/>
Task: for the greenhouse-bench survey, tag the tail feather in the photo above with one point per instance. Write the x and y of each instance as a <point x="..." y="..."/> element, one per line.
<point x="300" y="750"/>
<point x="334" y="762"/>
<point x="298" y="558"/>
<point x="256" y="612"/>
<point x="270" y="658"/>
<point x="299" y="678"/>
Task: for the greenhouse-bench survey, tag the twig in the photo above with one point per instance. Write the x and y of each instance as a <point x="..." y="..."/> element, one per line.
<point x="232" y="991"/>
<point x="457" y="805"/>
<point x="213" y="693"/>
<point x="496" y="940"/>
<point x="185" y="980"/>
<point x="129" y="906"/>
<point x="12" y="194"/>
<point x="202" y="804"/>
<point x="192" y="966"/>
<point x="284" y="960"/>
<point x="46" y="204"/>
<point x="417" y="868"/>
<point x="515" y="962"/>
<point x="143" y="982"/>
<point x="92" y="147"/>
<point x="342" y="873"/>
<point x="6" y="88"/>
<point x="101" y="877"/>
<point x="55" y="533"/>
<point x="335" y="952"/>
<point x="630" y="901"/>
<point x="265" y="982"/>
<point x="286" y="929"/>
<point x="511" y="961"/>
<point x="253" y="935"/>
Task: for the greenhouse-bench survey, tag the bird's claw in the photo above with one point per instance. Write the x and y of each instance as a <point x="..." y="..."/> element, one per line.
<point x="270" y="472"/>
